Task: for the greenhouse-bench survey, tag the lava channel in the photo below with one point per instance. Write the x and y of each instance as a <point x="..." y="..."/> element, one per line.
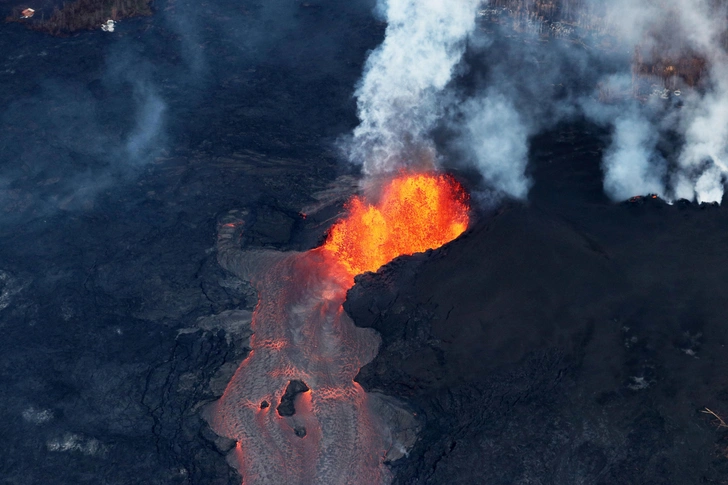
<point x="303" y="339"/>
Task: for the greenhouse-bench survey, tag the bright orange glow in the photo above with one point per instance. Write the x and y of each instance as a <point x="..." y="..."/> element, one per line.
<point x="416" y="212"/>
<point x="301" y="331"/>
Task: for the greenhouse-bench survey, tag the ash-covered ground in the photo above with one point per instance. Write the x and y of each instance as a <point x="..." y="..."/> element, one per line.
<point x="566" y="339"/>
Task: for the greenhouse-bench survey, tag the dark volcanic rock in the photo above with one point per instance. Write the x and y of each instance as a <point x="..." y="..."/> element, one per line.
<point x="286" y="407"/>
<point x="272" y="227"/>
<point x="565" y="341"/>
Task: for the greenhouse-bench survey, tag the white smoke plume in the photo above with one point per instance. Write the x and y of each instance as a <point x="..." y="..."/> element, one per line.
<point x="149" y="129"/>
<point x="703" y="161"/>
<point x="494" y="139"/>
<point x="672" y="144"/>
<point x="400" y="95"/>
<point x="632" y="164"/>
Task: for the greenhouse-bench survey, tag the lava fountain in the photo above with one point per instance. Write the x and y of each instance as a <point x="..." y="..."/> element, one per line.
<point x="306" y="351"/>
<point x="415" y="213"/>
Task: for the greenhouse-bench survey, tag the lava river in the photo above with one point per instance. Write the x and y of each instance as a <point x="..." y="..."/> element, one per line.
<point x="302" y="335"/>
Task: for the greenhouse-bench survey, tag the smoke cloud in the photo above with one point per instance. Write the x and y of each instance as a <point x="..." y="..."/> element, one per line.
<point x="672" y="30"/>
<point x="631" y="164"/>
<point x="494" y="139"/>
<point x="147" y="134"/>
<point x="400" y="97"/>
<point x="70" y="141"/>
<point x="670" y="139"/>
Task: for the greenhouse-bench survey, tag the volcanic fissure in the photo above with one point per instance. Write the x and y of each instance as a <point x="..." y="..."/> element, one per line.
<point x="306" y="351"/>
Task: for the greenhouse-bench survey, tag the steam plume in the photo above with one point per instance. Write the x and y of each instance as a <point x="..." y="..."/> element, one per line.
<point x="149" y="125"/>
<point x="399" y="98"/>
<point x="674" y="28"/>
<point x="90" y="145"/>
<point x="667" y="142"/>
<point x="494" y="139"/>
<point x="631" y="165"/>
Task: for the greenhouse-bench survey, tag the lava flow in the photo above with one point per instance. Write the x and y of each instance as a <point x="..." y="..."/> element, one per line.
<point x="302" y="336"/>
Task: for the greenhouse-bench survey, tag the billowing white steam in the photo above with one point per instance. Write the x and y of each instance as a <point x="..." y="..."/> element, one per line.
<point x="399" y="98"/>
<point x="703" y="159"/>
<point x="632" y="165"/>
<point x="495" y="140"/>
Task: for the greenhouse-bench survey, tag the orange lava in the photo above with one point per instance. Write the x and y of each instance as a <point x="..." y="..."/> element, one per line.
<point x="416" y="212"/>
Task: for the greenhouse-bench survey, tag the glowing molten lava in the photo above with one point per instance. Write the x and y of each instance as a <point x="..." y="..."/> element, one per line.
<point x="336" y="434"/>
<point x="416" y="212"/>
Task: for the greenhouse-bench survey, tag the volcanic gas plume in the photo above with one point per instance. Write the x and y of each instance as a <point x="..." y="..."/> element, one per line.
<point x="303" y="339"/>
